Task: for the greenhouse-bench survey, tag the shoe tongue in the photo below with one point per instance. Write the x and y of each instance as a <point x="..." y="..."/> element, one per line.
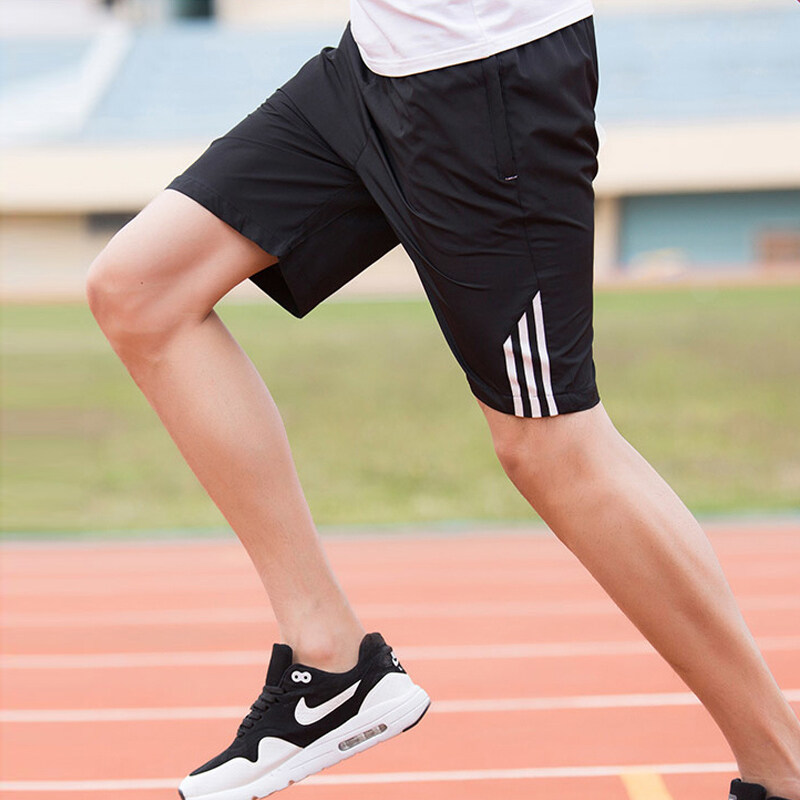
<point x="281" y="660"/>
<point x="747" y="791"/>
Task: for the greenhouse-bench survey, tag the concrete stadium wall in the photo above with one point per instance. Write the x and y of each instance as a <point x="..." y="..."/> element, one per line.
<point x="656" y="185"/>
<point x="46" y="255"/>
<point x="707" y="230"/>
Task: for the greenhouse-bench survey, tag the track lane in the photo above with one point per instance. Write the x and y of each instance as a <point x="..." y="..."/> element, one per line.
<point x="534" y="576"/>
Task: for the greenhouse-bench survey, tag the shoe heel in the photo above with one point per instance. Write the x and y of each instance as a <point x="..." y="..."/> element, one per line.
<point x="418" y="719"/>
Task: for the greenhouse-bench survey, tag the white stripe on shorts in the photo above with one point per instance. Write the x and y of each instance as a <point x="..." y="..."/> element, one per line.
<point x="511" y="370"/>
<point x="544" y="357"/>
<point x="527" y="363"/>
<point x="527" y="381"/>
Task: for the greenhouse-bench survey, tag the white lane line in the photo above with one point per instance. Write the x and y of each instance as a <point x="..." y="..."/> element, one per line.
<point x="586" y="701"/>
<point x="247" y="615"/>
<point x="247" y="657"/>
<point x="488" y="705"/>
<point x="90" y="786"/>
<point x="120" y="714"/>
<point x="260" y="614"/>
<point x="422" y="653"/>
<point x="529" y="773"/>
<point x="543" y="573"/>
<point x="122" y="619"/>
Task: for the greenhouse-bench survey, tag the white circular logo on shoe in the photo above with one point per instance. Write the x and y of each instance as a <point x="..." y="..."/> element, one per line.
<point x="301" y="677"/>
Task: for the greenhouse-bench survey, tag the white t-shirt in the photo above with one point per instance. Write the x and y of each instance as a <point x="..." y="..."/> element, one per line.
<point x="402" y="37"/>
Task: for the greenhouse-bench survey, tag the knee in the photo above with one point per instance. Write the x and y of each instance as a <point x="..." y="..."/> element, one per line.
<point x="128" y="310"/>
<point x="511" y="451"/>
<point x="542" y="454"/>
<point x="524" y="453"/>
<point x="100" y="292"/>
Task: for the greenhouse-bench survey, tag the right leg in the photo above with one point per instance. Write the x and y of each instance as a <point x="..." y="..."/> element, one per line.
<point x="639" y="541"/>
<point x="152" y="290"/>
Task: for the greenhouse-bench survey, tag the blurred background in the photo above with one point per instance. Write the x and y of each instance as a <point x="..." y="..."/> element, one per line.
<point x="697" y="257"/>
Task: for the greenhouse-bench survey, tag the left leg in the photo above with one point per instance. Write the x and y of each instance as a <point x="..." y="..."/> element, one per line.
<point x="630" y="530"/>
<point x="153" y="290"/>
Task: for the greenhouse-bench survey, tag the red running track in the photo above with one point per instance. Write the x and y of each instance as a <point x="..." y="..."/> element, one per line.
<point x="125" y="666"/>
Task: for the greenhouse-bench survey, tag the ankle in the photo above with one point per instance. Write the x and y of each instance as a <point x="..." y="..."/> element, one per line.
<point x="787" y="789"/>
<point x="327" y="650"/>
<point x="778" y="784"/>
<point x="770" y="754"/>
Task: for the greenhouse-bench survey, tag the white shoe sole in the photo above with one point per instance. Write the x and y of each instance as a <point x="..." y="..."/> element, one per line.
<point x="364" y="730"/>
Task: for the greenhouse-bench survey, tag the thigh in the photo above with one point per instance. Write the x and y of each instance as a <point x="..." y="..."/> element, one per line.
<point x="181" y="254"/>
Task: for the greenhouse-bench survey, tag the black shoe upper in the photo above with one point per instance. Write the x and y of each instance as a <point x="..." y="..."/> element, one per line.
<point x="750" y="791"/>
<point x="747" y="791"/>
<point x="287" y="684"/>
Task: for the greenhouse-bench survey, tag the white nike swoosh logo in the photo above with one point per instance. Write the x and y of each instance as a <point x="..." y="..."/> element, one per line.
<point x="308" y="716"/>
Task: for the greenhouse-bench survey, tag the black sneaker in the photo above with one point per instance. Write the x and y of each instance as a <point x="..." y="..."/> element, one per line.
<point x="306" y="719"/>
<point x="749" y="791"/>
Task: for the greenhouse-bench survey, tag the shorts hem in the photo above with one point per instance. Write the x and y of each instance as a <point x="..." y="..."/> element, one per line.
<point x="223" y="209"/>
<point x="566" y="403"/>
<point x="271" y="280"/>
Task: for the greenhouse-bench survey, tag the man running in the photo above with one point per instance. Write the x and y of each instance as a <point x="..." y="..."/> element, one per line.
<point x="464" y="130"/>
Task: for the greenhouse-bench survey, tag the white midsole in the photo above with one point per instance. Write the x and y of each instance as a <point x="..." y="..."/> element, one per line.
<point x="396" y="714"/>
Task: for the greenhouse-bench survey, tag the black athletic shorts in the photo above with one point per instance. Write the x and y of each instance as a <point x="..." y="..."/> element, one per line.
<point x="483" y="171"/>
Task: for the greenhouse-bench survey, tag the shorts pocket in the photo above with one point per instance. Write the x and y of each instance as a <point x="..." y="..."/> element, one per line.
<point x="504" y="154"/>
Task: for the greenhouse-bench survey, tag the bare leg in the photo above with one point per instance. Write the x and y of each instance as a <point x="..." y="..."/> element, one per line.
<point x="634" y="535"/>
<point x="152" y="291"/>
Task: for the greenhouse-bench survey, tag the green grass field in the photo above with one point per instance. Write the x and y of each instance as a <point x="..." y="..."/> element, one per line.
<point x="705" y="382"/>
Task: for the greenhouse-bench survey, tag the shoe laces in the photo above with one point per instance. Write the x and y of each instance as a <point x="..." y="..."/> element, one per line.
<point x="269" y="695"/>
